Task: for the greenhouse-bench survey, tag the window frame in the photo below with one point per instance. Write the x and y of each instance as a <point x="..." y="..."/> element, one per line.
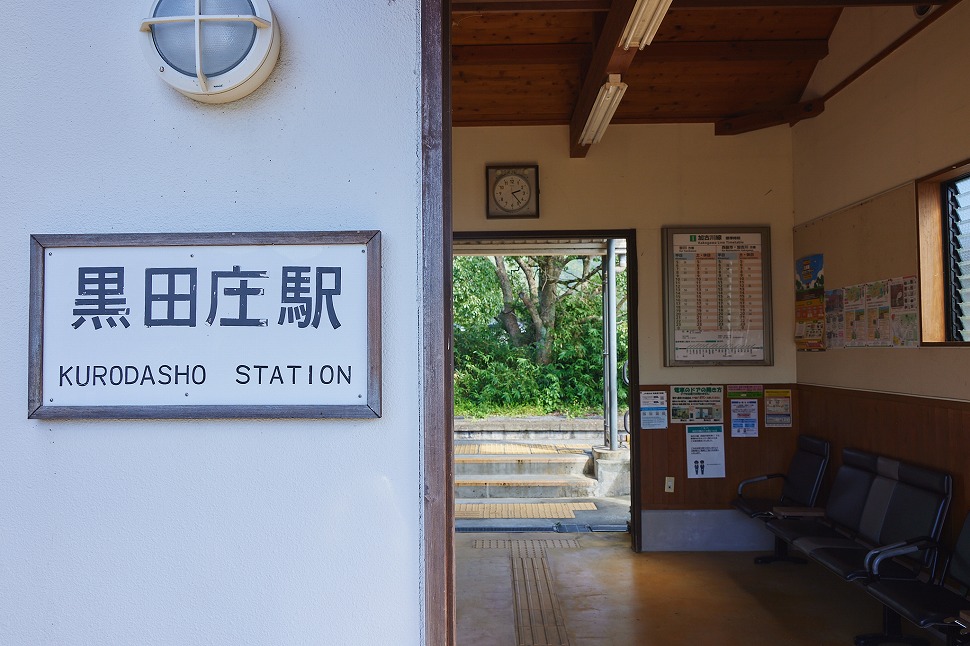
<point x="934" y="256"/>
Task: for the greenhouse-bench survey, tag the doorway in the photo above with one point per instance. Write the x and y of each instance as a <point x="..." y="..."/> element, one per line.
<point x="498" y="460"/>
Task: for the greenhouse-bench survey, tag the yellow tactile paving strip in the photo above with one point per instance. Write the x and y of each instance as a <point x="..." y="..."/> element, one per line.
<point x="517" y="449"/>
<point x="521" y="510"/>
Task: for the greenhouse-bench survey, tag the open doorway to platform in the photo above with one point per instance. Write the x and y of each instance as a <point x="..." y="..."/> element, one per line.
<point x="544" y="340"/>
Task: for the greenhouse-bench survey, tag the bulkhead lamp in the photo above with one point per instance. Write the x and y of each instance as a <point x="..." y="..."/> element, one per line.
<point x="214" y="51"/>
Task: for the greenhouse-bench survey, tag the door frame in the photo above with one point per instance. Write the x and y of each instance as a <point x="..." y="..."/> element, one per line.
<point x="630" y="235"/>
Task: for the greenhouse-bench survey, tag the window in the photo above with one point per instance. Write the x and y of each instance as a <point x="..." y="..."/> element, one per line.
<point x="944" y="232"/>
<point x="956" y="226"/>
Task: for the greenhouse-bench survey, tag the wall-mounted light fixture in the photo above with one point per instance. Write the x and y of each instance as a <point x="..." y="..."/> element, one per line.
<point x="214" y="51"/>
<point x="644" y="23"/>
<point x="607" y="100"/>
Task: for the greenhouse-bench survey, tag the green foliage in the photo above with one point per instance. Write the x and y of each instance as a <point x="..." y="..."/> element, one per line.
<point x="492" y="376"/>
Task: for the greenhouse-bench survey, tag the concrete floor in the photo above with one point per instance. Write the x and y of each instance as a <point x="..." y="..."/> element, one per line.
<point x="584" y="589"/>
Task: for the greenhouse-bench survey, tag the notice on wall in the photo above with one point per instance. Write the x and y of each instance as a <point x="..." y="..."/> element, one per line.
<point x="744" y="418"/>
<point x="834" y="319"/>
<point x="653" y="409"/>
<point x="705" y="451"/>
<point x="878" y="322"/>
<point x="717" y="305"/>
<point x="778" y="408"/>
<point x="696" y="404"/>
<point x="903" y="300"/>
<point x="809" y="303"/>
<point x="854" y="301"/>
<point x="206" y="325"/>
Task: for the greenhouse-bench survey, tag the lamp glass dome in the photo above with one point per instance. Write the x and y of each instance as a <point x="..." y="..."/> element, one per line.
<point x="224" y="44"/>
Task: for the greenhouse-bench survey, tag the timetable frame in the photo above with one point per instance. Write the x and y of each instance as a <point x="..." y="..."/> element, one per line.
<point x="714" y="336"/>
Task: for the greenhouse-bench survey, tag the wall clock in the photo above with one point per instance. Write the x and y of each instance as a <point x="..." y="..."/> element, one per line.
<point x="512" y="191"/>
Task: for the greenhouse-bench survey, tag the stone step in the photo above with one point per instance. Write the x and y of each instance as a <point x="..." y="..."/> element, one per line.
<point x="504" y="464"/>
<point x="510" y="435"/>
<point x="524" y="486"/>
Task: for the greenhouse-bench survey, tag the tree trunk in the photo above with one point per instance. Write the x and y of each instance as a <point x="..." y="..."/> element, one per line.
<point x="507" y="317"/>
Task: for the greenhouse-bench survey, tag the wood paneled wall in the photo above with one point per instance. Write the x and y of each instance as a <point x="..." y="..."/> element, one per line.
<point x="929" y="432"/>
<point x="663" y="453"/>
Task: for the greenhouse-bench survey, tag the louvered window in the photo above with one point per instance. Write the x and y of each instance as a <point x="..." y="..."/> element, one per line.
<point x="956" y="231"/>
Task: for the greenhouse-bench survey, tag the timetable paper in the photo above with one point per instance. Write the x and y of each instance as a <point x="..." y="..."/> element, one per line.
<point x="718" y="299"/>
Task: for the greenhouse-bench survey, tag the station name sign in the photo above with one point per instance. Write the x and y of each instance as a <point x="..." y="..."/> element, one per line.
<point x="206" y="325"/>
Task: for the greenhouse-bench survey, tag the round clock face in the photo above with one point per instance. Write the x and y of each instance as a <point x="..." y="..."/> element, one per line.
<point x="512" y="193"/>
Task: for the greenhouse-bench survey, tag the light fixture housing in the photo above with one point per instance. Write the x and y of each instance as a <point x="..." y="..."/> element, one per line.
<point x="644" y="23"/>
<point x="214" y="51"/>
<point x="607" y="100"/>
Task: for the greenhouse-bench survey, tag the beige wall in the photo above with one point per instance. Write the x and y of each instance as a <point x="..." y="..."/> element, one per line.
<point x="643" y="178"/>
<point x="854" y="172"/>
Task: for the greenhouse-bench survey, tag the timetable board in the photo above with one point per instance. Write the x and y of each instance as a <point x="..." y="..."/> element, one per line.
<point x="717" y="298"/>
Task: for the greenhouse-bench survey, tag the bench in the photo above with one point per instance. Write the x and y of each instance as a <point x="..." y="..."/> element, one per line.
<point x="938" y="603"/>
<point x="800" y="485"/>
<point x="880" y="528"/>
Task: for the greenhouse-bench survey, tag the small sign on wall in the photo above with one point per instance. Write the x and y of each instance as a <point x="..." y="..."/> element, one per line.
<point x="206" y="325"/>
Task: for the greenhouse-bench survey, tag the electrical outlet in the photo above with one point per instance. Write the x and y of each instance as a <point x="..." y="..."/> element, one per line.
<point x="669" y="484"/>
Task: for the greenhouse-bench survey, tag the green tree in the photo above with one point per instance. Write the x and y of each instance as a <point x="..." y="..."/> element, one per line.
<point x="528" y="333"/>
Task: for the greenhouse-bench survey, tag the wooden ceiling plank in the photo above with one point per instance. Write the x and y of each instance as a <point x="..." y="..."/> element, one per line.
<point x="528" y="6"/>
<point x="602" y="63"/>
<point x="765" y="50"/>
<point x="560" y="54"/>
<point x="792" y="4"/>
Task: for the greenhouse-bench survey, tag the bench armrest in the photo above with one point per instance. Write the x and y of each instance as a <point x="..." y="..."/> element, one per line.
<point x="767" y="476"/>
<point x="876" y="556"/>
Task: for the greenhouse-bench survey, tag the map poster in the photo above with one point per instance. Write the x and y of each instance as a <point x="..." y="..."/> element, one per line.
<point x="696" y="404"/>
<point x="705" y="451"/>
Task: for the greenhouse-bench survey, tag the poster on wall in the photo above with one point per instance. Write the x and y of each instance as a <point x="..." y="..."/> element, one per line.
<point x="834" y="319"/>
<point x="903" y="302"/>
<point x="744" y="418"/>
<point x="653" y="409"/>
<point x="778" y="408"/>
<point x="717" y="296"/>
<point x="696" y="404"/>
<point x="705" y="451"/>
<point x="856" y="330"/>
<point x="255" y="325"/>
<point x="878" y="322"/>
<point x="809" y="303"/>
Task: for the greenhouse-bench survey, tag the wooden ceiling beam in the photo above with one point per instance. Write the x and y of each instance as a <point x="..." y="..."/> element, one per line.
<point x="560" y="53"/>
<point x="793" y="4"/>
<point x="607" y="59"/>
<point x="528" y="6"/>
<point x="791" y="115"/>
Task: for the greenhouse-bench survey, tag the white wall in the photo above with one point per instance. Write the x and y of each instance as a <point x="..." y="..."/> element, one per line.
<point x="906" y="118"/>
<point x="215" y="532"/>
<point x="643" y="178"/>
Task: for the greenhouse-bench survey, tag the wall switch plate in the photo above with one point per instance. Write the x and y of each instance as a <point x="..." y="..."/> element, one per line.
<point x="669" y="484"/>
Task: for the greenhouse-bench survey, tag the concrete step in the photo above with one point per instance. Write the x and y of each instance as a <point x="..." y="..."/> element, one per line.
<point x="530" y="428"/>
<point x="504" y="464"/>
<point x="524" y="486"/>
